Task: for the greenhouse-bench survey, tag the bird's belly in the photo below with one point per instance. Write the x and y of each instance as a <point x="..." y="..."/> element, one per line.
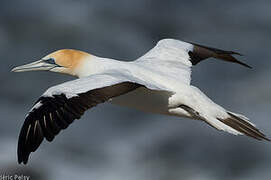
<point x="145" y="99"/>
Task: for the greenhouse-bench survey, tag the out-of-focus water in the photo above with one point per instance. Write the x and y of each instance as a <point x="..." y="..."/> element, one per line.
<point x="110" y="142"/>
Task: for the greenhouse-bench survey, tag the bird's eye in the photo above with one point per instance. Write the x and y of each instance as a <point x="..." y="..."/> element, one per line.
<point x="50" y="61"/>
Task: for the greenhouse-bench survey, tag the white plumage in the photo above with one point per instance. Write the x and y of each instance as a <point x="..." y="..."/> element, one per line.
<point x="157" y="82"/>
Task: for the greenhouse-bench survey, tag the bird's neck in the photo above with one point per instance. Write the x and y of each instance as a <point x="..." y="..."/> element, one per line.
<point x="95" y="65"/>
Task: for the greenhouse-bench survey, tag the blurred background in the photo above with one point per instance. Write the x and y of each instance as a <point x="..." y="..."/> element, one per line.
<point x="116" y="143"/>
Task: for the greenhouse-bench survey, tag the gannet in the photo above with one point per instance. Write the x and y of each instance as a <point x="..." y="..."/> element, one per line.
<point x="157" y="82"/>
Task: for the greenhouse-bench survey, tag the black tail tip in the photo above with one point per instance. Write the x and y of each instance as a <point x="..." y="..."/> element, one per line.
<point x="267" y="139"/>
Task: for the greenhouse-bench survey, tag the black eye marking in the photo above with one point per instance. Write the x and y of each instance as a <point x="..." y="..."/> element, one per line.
<point x="50" y="61"/>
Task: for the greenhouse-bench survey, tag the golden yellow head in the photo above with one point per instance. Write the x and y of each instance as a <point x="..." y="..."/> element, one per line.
<point x="68" y="58"/>
<point x="62" y="61"/>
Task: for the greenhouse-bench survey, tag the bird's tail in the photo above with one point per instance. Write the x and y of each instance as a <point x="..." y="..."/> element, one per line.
<point x="241" y="124"/>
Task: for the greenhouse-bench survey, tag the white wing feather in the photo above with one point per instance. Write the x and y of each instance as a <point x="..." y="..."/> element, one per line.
<point x="75" y="87"/>
<point x="171" y="57"/>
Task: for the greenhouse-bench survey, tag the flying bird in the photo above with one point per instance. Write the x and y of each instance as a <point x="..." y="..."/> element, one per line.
<point x="157" y="82"/>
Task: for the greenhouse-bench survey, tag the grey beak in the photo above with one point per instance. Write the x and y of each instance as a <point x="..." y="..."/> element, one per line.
<point x="39" y="65"/>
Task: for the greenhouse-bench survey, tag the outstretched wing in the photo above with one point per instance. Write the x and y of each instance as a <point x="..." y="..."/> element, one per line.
<point x="175" y="57"/>
<point x="60" y="105"/>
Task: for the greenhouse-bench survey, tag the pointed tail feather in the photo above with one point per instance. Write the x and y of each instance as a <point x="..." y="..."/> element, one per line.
<point x="241" y="124"/>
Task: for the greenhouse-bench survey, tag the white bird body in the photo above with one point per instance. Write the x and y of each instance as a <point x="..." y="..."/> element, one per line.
<point x="169" y="72"/>
<point x="158" y="82"/>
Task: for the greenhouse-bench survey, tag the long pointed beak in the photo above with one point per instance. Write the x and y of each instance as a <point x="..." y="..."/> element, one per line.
<point x="40" y="65"/>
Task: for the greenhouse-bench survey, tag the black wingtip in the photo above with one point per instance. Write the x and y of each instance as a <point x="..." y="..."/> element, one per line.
<point x="243" y="64"/>
<point x="22" y="159"/>
<point x="236" y="53"/>
<point x="22" y="153"/>
<point x="24" y="162"/>
<point x="201" y="52"/>
<point x="228" y="56"/>
<point x="237" y="61"/>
